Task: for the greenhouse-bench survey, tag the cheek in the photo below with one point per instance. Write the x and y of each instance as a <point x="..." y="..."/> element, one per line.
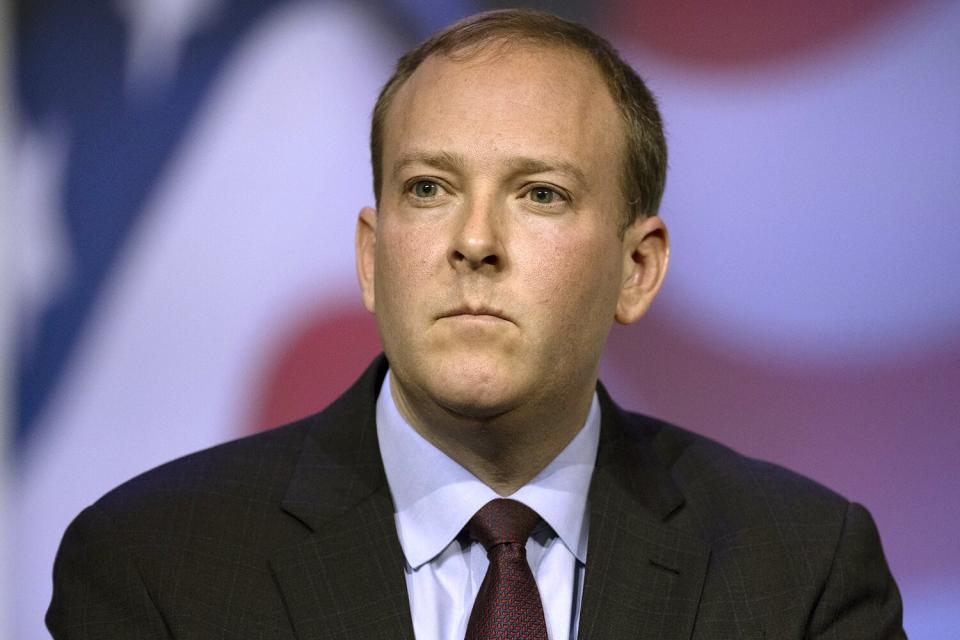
<point x="404" y="260"/>
<point x="574" y="271"/>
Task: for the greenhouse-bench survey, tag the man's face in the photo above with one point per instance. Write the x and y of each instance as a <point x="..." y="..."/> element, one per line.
<point x="494" y="261"/>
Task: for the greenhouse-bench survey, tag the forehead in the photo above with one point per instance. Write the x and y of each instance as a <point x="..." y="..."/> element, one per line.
<point x="552" y="101"/>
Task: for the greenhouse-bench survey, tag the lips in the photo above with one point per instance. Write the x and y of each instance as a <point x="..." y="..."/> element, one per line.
<point x="479" y="312"/>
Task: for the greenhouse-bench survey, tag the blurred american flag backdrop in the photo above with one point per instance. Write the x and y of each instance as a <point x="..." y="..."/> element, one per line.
<point x="181" y="184"/>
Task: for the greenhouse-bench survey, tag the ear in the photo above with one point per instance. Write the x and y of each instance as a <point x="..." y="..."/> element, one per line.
<point x="366" y="249"/>
<point x="646" y="253"/>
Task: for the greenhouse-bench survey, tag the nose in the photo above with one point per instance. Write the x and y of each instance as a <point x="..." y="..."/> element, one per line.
<point x="476" y="243"/>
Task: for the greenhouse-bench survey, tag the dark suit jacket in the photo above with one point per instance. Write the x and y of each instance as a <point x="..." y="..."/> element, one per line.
<point x="290" y="534"/>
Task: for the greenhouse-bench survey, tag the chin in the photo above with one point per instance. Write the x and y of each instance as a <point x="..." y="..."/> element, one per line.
<point x="476" y="388"/>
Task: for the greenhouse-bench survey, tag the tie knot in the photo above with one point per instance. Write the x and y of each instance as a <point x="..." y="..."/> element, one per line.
<point x="502" y="521"/>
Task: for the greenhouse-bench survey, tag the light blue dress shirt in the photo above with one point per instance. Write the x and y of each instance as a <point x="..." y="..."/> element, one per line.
<point x="435" y="497"/>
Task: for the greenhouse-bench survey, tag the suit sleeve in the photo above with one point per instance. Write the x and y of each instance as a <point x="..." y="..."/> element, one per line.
<point x="860" y="599"/>
<point x="98" y="591"/>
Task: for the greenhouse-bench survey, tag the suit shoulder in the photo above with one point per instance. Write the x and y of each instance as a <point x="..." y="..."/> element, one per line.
<point x="718" y="480"/>
<point x="783" y="548"/>
<point x="252" y="468"/>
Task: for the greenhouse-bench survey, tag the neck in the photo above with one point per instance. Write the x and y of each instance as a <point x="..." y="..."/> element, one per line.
<point x="504" y="451"/>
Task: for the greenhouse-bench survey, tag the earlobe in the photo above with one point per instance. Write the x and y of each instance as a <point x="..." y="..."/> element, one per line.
<point x="366" y="245"/>
<point x="646" y="254"/>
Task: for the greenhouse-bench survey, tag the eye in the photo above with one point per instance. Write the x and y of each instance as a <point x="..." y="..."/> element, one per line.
<point x="545" y="195"/>
<point x="425" y="189"/>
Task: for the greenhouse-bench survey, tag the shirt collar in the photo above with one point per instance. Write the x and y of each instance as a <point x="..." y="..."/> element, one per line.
<point x="435" y="497"/>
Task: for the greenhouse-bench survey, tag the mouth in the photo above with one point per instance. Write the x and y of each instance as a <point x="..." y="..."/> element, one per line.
<point x="475" y="312"/>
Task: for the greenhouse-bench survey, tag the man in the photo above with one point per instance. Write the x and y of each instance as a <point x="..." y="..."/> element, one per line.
<point x="518" y="167"/>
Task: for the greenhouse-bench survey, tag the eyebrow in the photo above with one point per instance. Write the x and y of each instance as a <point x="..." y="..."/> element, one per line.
<point x="455" y="163"/>
<point x="444" y="161"/>
<point x="525" y="166"/>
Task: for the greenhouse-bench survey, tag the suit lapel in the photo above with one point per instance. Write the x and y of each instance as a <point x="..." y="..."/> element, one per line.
<point x="346" y="579"/>
<point x="643" y="576"/>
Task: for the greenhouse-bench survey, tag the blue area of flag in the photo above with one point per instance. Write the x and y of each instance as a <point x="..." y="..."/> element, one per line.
<point x="70" y="70"/>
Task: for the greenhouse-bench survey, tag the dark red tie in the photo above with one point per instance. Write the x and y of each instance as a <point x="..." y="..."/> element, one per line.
<point x="508" y="604"/>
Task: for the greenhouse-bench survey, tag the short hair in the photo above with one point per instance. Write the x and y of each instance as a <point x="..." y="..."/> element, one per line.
<point x="645" y="163"/>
